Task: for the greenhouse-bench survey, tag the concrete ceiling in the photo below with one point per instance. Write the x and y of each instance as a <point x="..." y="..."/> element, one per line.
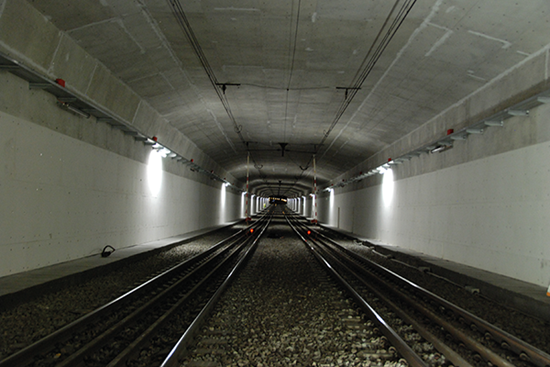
<point x="291" y="61"/>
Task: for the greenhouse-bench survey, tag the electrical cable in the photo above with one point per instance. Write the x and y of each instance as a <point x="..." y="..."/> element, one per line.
<point x="370" y="60"/>
<point x="182" y="20"/>
<point x="292" y="55"/>
<point x="285" y="88"/>
<point x="365" y="68"/>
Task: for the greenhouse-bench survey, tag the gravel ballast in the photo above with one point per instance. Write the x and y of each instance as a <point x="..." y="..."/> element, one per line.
<point x="530" y="329"/>
<point x="28" y="322"/>
<point x="284" y="310"/>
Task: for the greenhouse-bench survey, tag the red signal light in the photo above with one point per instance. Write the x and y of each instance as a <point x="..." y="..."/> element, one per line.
<point x="251" y="230"/>
<point x="308" y="232"/>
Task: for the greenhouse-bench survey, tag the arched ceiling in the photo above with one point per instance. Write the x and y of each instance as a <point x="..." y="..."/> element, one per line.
<point x="338" y="79"/>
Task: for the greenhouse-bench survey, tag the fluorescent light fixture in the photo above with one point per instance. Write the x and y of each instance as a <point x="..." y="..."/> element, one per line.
<point x="475" y="131"/>
<point x="494" y="123"/>
<point x="68" y="107"/>
<point x="459" y="137"/>
<point x="518" y="112"/>
<point x="164" y="152"/>
<point x="441" y="148"/>
<point x="543" y="99"/>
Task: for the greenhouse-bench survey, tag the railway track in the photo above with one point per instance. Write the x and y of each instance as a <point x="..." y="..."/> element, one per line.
<point x="286" y="309"/>
<point x="318" y="304"/>
<point x="148" y="325"/>
<point x="460" y="337"/>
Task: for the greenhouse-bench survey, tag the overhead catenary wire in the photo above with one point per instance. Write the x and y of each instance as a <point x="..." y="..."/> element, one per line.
<point x="182" y="20"/>
<point x="292" y="54"/>
<point x="371" y="58"/>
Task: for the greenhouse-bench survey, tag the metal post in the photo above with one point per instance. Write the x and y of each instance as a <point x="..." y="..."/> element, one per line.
<point x="314" y="221"/>
<point x="247" y="218"/>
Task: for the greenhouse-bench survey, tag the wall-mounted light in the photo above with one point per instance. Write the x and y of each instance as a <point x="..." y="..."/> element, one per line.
<point x="441" y="148"/>
<point x="68" y="107"/>
<point x="518" y="112"/>
<point x="164" y="152"/>
<point x="459" y="137"/>
<point x="475" y="131"/>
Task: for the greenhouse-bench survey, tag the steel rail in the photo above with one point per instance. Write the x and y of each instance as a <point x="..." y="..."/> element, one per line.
<point x="26" y="355"/>
<point x="134" y="347"/>
<point x="449" y="353"/>
<point x="180" y="348"/>
<point x="101" y="340"/>
<point x="398" y="343"/>
<point x="474" y="345"/>
<point x="338" y="254"/>
<point x="524" y="350"/>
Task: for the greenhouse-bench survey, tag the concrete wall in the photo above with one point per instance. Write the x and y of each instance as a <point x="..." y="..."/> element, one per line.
<point x="491" y="212"/>
<point x="63" y="198"/>
<point x="483" y="203"/>
<point x="29" y="38"/>
<point x="70" y="186"/>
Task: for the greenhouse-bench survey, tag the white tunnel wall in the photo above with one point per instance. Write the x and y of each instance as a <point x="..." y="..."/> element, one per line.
<point x="491" y="213"/>
<point x="64" y="199"/>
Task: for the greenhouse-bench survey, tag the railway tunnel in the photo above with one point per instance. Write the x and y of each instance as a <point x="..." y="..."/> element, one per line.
<point x="419" y="126"/>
